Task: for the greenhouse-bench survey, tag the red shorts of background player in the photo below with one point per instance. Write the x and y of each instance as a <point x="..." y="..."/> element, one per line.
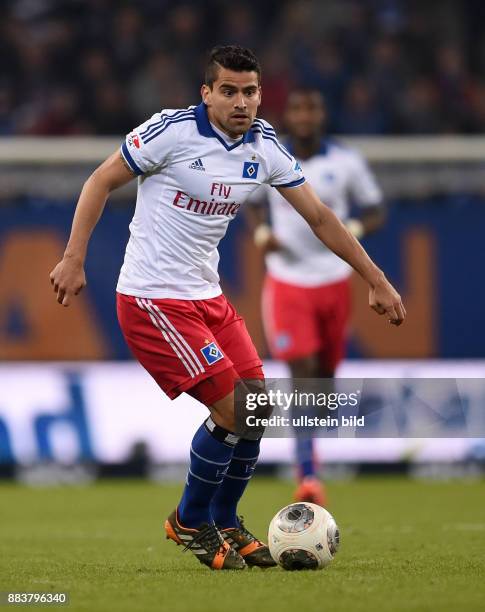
<point x="304" y="321"/>
<point x="182" y="343"/>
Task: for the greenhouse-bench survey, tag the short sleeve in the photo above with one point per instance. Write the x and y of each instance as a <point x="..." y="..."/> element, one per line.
<point x="147" y="147"/>
<point x="363" y="186"/>
<point x="284" y="170"/>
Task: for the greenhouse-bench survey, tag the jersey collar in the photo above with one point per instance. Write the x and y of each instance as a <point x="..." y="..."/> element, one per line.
<point x="205" y="129"/>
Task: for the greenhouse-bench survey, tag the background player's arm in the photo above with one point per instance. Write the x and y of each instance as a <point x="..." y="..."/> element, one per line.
<point x="383" y="298"/>
<point x="257" y="219"/>
<point x="68" y="277"/>
<point x="364" y="190"/>
<point x="373" y="218"/>
<point x="370" y="220"/>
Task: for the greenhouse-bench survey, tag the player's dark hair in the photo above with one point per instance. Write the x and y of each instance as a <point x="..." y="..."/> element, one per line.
<point x="232" y="57"/>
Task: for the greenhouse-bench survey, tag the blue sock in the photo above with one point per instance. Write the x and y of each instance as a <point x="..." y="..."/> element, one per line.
<point x="210" y="455"/>
<point x="305" y="456"/>
<point x="224" y="502"/>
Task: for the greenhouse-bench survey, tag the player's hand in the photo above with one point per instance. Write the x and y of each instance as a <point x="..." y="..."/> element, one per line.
<point x="272" y="244"/>
<point x="265" y="240"/>
<point x="68" y="279"/>
<point x="385" y="300"/>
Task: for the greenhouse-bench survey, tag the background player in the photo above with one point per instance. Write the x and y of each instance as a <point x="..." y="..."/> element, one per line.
<point x="196" y="166"/>
<point x="304" y="276"/>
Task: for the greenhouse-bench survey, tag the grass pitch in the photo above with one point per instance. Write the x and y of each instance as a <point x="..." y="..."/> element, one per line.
<point x="405" y="545"/>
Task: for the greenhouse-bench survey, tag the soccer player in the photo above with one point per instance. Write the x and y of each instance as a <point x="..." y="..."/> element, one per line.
<point x="195" y="168"/>
<point x="303" y="275"/>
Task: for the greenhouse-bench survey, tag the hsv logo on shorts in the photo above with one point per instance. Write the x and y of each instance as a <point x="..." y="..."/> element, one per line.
<point x="212" y="353"/>
<point x="283" y="341"/>
<point x="250" y="170"/>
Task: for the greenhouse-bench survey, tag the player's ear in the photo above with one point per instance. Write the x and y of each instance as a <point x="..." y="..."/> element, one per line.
<point x="205" y="92"/>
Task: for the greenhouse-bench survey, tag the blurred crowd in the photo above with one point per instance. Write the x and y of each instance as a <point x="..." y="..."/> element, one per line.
<point x="103" y="66"/>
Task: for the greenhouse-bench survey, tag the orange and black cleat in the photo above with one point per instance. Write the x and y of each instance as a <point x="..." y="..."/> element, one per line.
<point x="254" y="552"/>
<point x="206" y="543"/>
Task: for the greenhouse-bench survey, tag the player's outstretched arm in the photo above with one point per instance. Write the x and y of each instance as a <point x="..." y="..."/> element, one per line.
<point x="68" y="277"/>
<point x="383" y="298"/>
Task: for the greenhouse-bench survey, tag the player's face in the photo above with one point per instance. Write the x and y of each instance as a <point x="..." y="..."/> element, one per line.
<point x="305" y="114"/>
<point x="233" y="101"/>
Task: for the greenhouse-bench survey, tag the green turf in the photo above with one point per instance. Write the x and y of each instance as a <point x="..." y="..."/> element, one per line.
<point x="405" y="546"/>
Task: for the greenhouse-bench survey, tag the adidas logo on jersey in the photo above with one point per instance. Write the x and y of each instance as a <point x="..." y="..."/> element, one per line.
<point x="197" y="165"/>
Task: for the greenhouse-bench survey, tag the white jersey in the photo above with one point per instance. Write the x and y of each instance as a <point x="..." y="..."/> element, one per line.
<point x="339" y="176"/>
<point x="191" y="183"/>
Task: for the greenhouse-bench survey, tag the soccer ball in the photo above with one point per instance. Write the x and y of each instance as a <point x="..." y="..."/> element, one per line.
<point x="303" y="536"/>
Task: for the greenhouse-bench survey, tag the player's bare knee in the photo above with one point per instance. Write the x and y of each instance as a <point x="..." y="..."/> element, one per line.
<point x="251" y="394"/>
<point x="217" y="393"/>
<point x="222" y="413"/>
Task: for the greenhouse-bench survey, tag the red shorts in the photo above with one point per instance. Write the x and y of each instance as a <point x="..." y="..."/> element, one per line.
<point x="304" y="321"/>
<point x="183" y="342"/>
